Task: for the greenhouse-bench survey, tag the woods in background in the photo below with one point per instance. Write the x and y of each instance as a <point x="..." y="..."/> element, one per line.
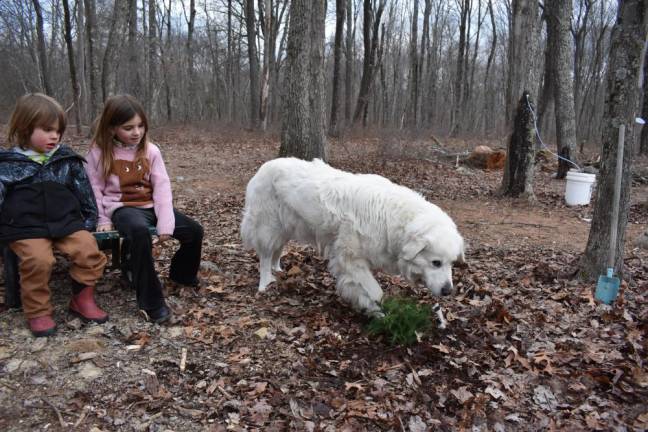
<point x="445" y="66"/>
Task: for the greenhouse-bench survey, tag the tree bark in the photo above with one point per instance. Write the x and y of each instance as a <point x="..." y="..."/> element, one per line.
<point x="520" y="155"/>
<point x="190" y="110"/>
<point x="133" y="78"/>
<point x="371" y="27"/>
<point x="340" y="9"/>
<point x="303" y="107"/>
<point x="111" y="58"/>
<point x="489" y="99"/>
<point x="71" y="63"/>
<point x="153" y="53"/>
<point x="42" y="49"/>
<point x="627" y="44"/>
<point x="269" y="40"/>
<point x="643" y="142"/>
<point x="459" y="71"/>
<point x="93" y="62"/>
<point x="250" y="24"/>
<point x="413" y="84"/>
<point x="559" y="38"/>
<point x="522" y="54"/>
<point x="348" y="55"/>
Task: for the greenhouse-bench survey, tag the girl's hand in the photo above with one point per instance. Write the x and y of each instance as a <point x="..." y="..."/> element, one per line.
<point x="163" y="237"/>
<point x="103" y="228"/>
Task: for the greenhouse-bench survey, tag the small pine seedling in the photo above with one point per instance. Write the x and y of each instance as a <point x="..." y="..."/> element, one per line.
<point x="402" y="321"/>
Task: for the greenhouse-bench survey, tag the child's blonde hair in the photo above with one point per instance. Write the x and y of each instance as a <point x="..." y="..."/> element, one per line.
<point x="118" y="110"/>
<point x="34" y="110"/>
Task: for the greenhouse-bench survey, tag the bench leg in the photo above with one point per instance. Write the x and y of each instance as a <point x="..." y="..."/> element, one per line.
<point x="12" y="278"/>
<point x="115" y="247"/>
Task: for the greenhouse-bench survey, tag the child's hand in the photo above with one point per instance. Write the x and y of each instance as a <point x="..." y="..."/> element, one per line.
<point x="102" y="228"/>
<point x="163" y="237"/>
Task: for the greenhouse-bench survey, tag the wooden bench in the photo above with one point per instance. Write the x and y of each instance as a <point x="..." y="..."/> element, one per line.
<point x="106" y="240"/>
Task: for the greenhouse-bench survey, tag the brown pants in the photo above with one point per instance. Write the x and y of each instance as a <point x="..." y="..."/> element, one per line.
<point x="36" y="262"/>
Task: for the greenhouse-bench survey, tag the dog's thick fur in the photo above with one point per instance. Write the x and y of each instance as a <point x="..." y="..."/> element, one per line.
<point x="357" y="221"/>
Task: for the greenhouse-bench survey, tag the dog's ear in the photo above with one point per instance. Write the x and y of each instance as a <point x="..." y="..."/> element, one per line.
<point x="411" y="249"/>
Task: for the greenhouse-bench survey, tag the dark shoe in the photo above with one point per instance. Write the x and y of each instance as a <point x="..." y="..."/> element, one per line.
<point x="83" y="306"/>
<point x="195" y="283"/>
<point x="42" y="326"/>
<point x="158" y="315"/>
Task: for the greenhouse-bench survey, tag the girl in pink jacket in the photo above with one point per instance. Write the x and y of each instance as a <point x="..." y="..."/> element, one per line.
<point x="133" y="193"/>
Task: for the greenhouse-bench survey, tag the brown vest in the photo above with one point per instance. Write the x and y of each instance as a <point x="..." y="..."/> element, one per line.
<point x="134" y="181"/>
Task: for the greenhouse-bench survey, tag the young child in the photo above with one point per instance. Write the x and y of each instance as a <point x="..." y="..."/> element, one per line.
<point x="46" y="202"/>
<point x="133" y="193"/>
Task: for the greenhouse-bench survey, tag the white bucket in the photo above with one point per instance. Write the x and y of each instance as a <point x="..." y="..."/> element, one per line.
<point x="578" y="190"/>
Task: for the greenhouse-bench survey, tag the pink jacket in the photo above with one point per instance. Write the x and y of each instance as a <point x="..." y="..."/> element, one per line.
<point x="108" y="191"/>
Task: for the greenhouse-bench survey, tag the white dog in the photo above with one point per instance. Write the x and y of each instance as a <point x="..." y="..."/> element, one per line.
<point x="357" y="221"/>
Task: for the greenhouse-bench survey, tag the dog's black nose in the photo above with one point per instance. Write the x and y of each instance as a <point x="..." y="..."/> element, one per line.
<point x="447" y="289"/>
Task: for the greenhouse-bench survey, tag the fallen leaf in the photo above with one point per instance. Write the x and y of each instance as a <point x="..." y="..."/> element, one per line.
<point x="462" y="394"/>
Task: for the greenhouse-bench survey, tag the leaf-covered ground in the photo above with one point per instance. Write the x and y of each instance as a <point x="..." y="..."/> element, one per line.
<point x="527" y="346"/>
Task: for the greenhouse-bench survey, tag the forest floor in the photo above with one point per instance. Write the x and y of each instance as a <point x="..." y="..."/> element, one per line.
<point x="527" y="346"/>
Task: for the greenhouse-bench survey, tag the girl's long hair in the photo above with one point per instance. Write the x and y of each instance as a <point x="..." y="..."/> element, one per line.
<point x="118" y="110"/>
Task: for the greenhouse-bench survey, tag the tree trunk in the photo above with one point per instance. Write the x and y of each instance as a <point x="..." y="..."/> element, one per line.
<point x="73" y="75"/>
<point x="522" y="54"/>
<point x="153" y="53"/>
<point x="250" y="24"/>
<point x="340" y="9"/>
<point x="413" y="84"/>
<point x="627" y="44"/>
<point x="93" y="62"/>
<point x="190" y="110"/>
<point x="489" y="99"/>
<point x="643" y="143"/>
<point x="348" y="70"/>
<point x="42" y="50"/>
<point x="133" y="84"/>
<point x="110" y="59"/>
<point x="546" y="96"/>
<point x="560" y="41"/>
<point x="370" y="36"/>
<point x="269" y="40"/>
<point x="459" y="71"/>
<point x="520" y="155"/>
<point x="302" y="132"/>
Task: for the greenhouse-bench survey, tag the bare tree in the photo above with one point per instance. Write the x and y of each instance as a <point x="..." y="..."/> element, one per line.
<point x="303" y="107"/>
<point x="643" y="141"/>
<point x="340" y="12"/>
<point x="133" y="83"/>
<point x="348" y="70"/>
<point x="522" y="54"/>
<point x="371" y="26"/>
<point x="558" y="14"/>
<point x="489" y="102"/>
<point x="628" y="37"/>
<point x="92" y="56"/>
<point x="73" y="75"/>
<point x="42" y="49"/>
<point x="153" y="55"/>
<point x="250" y="25"/>
<point x="110" y="59"/>
<point x="517" y="180"/>
<point x="191" y="24"/>
<point x="460" y="70"/>
<point x="413" y="84"/>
